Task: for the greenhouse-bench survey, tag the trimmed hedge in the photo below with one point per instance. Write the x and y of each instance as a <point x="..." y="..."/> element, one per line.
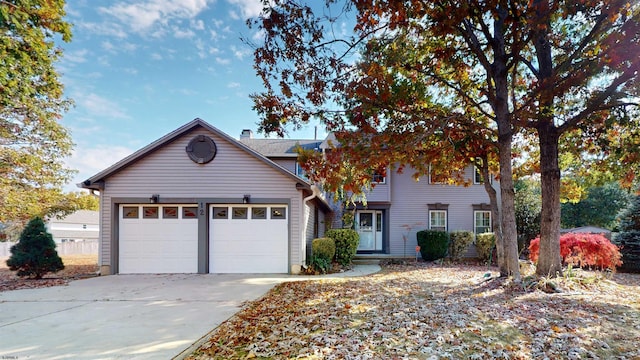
<point x="347" y="241"/>
<point x="433" y="244"/>
<point x="485" y="243"/>
<point x="459" y="242"/>
<point x="324" y="248"/>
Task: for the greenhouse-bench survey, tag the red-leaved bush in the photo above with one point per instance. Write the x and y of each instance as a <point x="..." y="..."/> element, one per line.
<point x="583" y="250"/>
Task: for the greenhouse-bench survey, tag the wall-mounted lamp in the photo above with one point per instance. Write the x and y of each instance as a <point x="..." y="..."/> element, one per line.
<point x="246" y="199"/>
<point x="155" y="198"/>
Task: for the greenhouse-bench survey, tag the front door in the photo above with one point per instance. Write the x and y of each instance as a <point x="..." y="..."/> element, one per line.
<point x="369" y="227"/>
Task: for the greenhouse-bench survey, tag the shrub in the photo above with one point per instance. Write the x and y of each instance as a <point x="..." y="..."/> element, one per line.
<point x="346" y="241"/>
<point x="583" y="250"/>
<point x="35" y="253"/>
<point x="459" y="242"/>
<point x="324" y="247"/>
<point x="433" y="244"/>
<point x="629" y="237"/>
<point x="485" y="243"/>
<point x="320" y="264"/>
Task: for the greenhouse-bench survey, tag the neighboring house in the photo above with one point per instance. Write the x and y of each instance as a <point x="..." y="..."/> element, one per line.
<point x="82" y="225"/>
<point x="589" y="230"/>
<point x="200" y="201"/>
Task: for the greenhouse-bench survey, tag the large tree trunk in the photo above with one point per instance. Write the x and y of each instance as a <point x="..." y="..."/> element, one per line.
<point x="549" y="260"/>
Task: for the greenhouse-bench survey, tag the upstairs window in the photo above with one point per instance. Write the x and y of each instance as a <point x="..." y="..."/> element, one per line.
<point x="378" y="177"/>
<point x="477" y="176"/>
<point x="300" y="172"/>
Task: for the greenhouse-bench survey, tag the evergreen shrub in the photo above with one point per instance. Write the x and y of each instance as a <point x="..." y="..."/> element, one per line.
<point x="346" y="241"/>
<point x="629" y="237"/>
<point x="433" y="244"/>
<point x="459" y="242"/>
<point x="324" y="247"/>
<point x="35" y="253"/>
<point x="485" y="243"/>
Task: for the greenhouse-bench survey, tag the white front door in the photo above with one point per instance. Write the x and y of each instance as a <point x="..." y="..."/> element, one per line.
<point x="369" y="227"/>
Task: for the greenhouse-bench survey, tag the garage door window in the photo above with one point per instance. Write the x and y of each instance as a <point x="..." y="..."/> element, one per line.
<point x="220" y="213"/>
<point x="150" y="212"/>
<point x="239" y="213"/>
<point x="129" y="212"/>
<point x="170" y="212"/>
<point x="259" y="213"/>
<point x="278" y="213"/>
<point x="189" y="212"/>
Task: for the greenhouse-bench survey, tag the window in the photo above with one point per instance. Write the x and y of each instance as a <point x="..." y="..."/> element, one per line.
<point x="220" y="212"/>
<point x="278" y="213"/>
<point x="130" y="212"/>
<point x="378" y="177"/>
<point x="189" y="212"/>
<point x="149" y="212"/>
<point x="477" y="176"/>
<point x="482" y="221"/>
<point x="239" y="213"/>
<point x="300" y="172"/>
<point x="438" y="220"/>
<point x="435" y="178"/>
<point x="259" y="213"/>
<point x="170" y="212"/>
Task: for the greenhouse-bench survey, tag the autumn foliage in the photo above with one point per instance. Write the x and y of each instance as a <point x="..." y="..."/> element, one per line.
<point x="583" y="250"/>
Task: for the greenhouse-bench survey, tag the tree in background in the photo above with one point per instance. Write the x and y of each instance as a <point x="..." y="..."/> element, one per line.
<point x="599" y="208"/>
<point x="528" y="205"/>
<point x="629" y="237"/>
<point x="32" y="142"/>
<point x="35" y="254"/>
<point x="549" y="69"/>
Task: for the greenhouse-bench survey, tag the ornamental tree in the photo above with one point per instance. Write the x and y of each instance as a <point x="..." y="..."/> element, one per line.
<point x="33" y="144"/>
<point x="544" y="68"/>
<point x="35" y="254"/>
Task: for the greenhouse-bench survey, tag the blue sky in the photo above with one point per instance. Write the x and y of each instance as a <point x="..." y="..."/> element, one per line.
<point x="137" y="70"/>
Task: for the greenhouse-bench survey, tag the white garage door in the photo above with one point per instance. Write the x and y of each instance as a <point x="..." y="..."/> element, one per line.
<point x="248" y="239"/>
<point x="158" y="239"/>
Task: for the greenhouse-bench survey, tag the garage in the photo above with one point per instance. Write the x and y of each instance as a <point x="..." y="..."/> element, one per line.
<point x="158" y="238"/>
<point x="248" y="238"/>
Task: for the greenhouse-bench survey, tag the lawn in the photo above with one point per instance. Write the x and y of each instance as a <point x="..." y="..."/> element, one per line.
<point x="76" y="267"/>
<point x="427" y="311"/>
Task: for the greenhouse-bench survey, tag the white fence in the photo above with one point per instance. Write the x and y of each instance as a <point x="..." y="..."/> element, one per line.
<point x="65" y="248"/>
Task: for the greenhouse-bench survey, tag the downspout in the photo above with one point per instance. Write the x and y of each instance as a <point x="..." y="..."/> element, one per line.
<point x="315" y="192"/>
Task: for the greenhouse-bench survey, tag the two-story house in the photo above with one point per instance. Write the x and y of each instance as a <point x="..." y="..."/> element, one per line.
<point x="200" y="201"/>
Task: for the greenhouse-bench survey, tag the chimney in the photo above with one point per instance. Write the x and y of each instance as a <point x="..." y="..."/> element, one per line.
<point x="246" y="134"/>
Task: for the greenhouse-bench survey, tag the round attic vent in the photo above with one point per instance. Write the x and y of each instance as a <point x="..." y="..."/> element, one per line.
<point x="201" y="149"/>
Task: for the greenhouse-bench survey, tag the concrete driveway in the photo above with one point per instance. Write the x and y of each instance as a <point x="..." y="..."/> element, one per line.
<point x="126" y="316"/>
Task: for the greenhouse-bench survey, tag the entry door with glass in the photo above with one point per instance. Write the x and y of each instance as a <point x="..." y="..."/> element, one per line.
<point x="369" y="227"/>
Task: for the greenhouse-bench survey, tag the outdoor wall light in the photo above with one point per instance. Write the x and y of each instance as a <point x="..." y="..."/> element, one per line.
<point x="155" y="198"/>
<point x="246" y="198"/>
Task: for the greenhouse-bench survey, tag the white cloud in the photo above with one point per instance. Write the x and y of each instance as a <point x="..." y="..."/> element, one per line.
<point x="182" y="34"/>
<point x="99" y="106"/>
<point x="223" y="61"/>
<point x="78" y="56"/>
<point x="90" y="160"/>
<point x="109" y="29"/>
<point x="233" y="85"/>
<point x="240" y="53"/>
<point x="156" y="56"/>
<point x="248" y="8"/>
<point x="144" y="16"/>
<point x="197" y="24"/>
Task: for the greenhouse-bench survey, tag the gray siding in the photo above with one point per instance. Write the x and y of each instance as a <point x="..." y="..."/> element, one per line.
<point x="170" y="173"/>
<point x="309" y="224"/>
<point x="409" y="206"/>
<point x="289" y="164"/>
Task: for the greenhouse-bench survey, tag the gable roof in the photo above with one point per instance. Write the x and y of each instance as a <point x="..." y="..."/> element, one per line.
<point x="282" y="148"/>
<point x="78" y="217"/>
<point x="96" y="182"/>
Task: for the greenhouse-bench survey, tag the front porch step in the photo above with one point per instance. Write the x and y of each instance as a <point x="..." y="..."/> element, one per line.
<point x="365" y="261"/>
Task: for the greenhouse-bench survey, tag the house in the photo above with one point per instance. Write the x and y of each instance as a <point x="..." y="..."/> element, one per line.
<point x="81" y="225"/>
<point x="199" y="201"/>
<point x="398" y="206"/>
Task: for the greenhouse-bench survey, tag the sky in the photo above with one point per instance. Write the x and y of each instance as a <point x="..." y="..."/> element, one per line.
<point x="139" y="69"/>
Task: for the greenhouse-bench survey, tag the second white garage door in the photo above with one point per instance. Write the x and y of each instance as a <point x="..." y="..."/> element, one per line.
<point x="248" y="239"/>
